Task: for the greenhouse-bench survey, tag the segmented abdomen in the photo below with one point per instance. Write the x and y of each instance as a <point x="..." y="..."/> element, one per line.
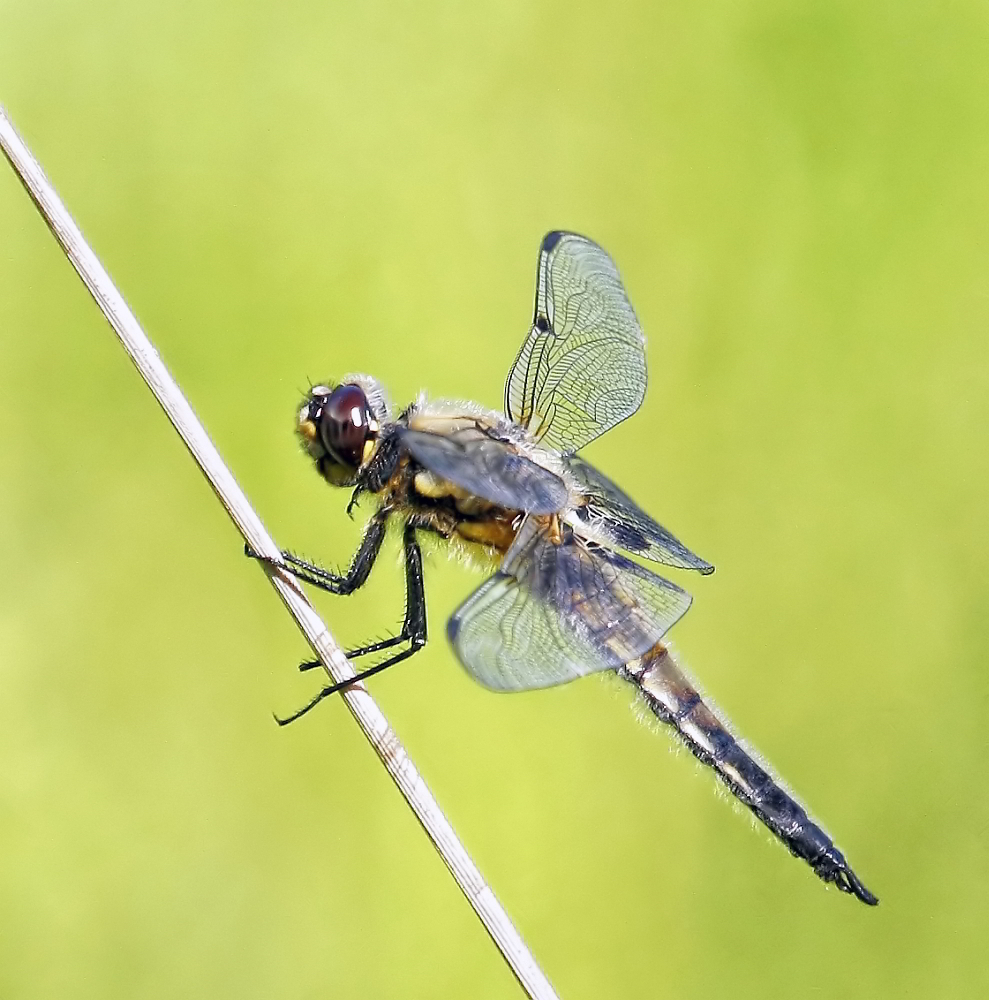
<point x="674" y="700"/>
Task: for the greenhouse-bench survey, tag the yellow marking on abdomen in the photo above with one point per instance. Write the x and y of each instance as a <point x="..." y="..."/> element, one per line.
<point x="431" y="486"/>
<point x="497" y="533"/>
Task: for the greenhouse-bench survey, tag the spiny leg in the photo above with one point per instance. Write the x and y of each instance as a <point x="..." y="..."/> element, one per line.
<point x="413" y="629"/>
<point x="360" y="566"/>
<point x="356" y="576"/>
<point x="352" y="654"/>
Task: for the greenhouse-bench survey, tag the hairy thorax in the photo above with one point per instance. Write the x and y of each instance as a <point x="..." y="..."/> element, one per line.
<point x="437" y="505"/>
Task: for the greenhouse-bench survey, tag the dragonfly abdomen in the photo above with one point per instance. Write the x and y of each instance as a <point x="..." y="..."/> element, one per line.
<point x="674" y="700"/>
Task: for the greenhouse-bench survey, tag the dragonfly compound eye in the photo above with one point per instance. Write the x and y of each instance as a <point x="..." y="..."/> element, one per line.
<point x="344" y="424"/>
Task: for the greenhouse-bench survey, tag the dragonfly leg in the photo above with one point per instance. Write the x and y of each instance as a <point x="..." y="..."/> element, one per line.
<point x="360" y="566"/>
<point x="352" y="654"/>
<point x="413" y="630"/>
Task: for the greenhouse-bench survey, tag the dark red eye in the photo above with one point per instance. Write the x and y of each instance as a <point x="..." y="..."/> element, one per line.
<point x="343" y="424"/>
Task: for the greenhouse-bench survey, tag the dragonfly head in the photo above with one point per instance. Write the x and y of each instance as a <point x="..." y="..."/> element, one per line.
<point x="339" y="426"/>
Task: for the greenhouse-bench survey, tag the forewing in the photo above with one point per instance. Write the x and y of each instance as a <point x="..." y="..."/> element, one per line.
<point x="582" y="369"/>
<point x="488" y="468"/>
<point x="556" y="611"/>
<point x="613" y="517"/>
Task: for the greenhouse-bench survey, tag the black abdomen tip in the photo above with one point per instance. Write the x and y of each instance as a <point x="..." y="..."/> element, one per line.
<point x="859" y="890"/>
<point x="834" y="868"/>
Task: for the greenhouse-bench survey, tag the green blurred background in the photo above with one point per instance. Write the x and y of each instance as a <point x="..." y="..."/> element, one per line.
<point x="796" y="193"/>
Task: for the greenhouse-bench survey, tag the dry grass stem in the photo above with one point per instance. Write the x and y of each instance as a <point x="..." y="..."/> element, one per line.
<point x="361" y="705"/>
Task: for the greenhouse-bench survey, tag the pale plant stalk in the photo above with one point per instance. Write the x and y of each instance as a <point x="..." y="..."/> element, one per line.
<point x="363" y="708"/>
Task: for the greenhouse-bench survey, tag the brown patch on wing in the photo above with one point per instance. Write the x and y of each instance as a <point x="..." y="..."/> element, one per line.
<point x="555" y="532"/>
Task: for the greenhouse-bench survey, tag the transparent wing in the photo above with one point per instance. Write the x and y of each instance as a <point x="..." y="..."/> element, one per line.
<point x="582" y="369"/>
<point x="557" y="610"/>
<point x="614" y="518"/>
<point x="488" y="468"/>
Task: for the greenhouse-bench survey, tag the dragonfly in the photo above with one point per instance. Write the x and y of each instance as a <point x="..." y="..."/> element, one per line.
<point x="565" y="599"/>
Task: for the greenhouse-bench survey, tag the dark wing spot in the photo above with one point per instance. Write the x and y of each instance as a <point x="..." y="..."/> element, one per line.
<point x="630" y="538"/>
<point x="542" y="324"/>
<point x="551" y="239"/>
<point x="452" y="628"/>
